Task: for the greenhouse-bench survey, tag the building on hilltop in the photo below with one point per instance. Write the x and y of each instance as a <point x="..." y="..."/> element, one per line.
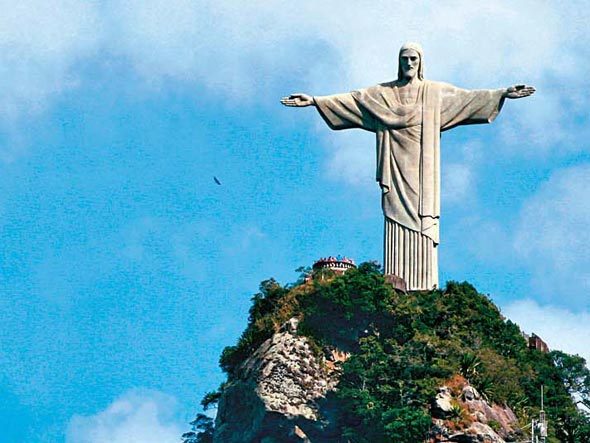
<point x="536" y="342"/>
<point x="338" y="265"/>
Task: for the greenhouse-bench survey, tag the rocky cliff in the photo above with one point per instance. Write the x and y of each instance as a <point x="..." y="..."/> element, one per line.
<point x="461" y="414"/>
<point x="282" y="394"/>
<point x="279" y="393"/>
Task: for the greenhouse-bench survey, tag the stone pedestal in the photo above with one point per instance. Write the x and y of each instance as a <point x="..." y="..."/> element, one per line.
<point x="397" y="282"/>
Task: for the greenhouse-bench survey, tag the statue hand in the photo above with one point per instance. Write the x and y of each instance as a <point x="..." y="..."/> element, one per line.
<point x="298" y="100"/>
<point x="519" y="91"/>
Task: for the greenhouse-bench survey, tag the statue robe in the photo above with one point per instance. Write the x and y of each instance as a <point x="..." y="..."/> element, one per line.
<point x="408" y="161"/>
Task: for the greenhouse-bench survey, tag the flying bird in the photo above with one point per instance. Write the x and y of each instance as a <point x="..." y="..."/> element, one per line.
<point x="216" y="180"/>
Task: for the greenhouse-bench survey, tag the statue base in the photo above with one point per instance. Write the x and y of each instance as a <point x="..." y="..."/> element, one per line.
<point x="397" y="282"/>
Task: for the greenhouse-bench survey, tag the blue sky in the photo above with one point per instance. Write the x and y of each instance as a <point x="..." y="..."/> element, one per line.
<point x="125" y="270"/>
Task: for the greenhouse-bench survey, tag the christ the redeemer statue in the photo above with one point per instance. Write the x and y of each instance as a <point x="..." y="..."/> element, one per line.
<point x="407" y="116"/>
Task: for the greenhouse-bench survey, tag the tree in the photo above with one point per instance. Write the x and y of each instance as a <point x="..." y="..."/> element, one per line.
<point x="574" y="375"/>
<point x="202" y="430"/>
<point x="469" y="365"/>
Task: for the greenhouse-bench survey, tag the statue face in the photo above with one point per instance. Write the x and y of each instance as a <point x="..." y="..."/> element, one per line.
<point x="409" y="61"/>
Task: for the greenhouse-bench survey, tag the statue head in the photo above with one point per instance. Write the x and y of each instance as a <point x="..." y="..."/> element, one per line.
<point x="410" y="62"/>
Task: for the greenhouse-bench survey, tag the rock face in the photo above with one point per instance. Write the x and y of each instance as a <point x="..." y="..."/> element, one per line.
<point x="462" y="415"/>
<point x="276" y="394"/>
<point x="283" y="394"/>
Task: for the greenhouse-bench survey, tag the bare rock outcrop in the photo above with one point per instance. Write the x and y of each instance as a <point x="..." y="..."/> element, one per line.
<point x="276" y="394"/>
<point x="461" y="414"/>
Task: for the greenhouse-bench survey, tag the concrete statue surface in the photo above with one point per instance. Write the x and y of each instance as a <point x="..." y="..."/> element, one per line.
<point x="407" y="116"/>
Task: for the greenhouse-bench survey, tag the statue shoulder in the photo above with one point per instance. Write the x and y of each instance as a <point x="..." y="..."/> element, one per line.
<point x="380" y="87"/>
<point x="440" y="85"/>
<point x="395" y="83"/>
<point x="390" y="84"/>
<point x="373" y="92"/>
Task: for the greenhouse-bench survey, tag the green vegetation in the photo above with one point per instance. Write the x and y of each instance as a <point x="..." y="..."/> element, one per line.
<point x="404" y="346"/>
<point x="201" y="430"/>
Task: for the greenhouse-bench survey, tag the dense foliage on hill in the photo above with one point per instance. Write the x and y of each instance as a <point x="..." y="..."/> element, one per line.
<point x="404" y="346"/>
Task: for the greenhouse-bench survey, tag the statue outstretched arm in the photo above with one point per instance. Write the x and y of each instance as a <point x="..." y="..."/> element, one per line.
<point x="340" y="111"/>
<point x="465" y="107"/>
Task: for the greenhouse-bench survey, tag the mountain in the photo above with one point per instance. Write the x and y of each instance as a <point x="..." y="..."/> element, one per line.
<point x="349" y="358"/>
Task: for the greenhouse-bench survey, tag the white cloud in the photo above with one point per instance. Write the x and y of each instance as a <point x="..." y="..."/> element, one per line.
<point x="457" y="179"/>
<point x="230" y="45"/>
<point x="552" y="236"/>
<point x="235" y="46"/>
<point x="40" y="43"/>
<point x="458" y="186"/>
<point x="244" y="50"/>
<point x="561" y="329"/>
<point x="136" y="417"/>
<point x="352" y="158"/>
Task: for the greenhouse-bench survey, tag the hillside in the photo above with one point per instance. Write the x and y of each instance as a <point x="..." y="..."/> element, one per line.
<point x="385" y="361"/>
